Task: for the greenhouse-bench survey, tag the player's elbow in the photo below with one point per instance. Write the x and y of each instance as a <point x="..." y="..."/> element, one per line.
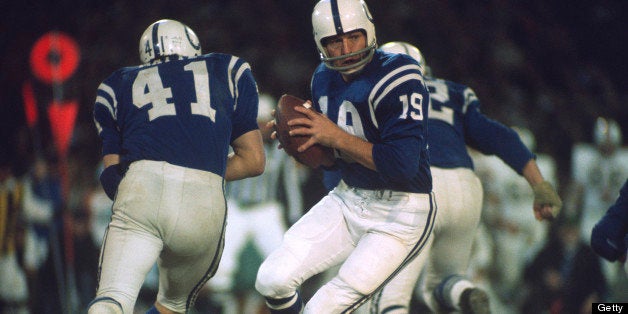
<point x="257" y="165"/>
<point x="395" y="163"/>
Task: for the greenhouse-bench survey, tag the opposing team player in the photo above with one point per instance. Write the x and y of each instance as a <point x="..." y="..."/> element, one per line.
<point x="598" y="169"/>
<point x="517" y="238"/>
<point x="379" y="217"/>
<point x="456" y="121"/>
<point x="166" y="127"/>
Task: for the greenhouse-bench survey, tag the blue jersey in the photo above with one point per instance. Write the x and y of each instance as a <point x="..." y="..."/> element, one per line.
<point x="456" y="121"/>
<point x="184" y="112"/>
<point x="619" y="210"/>
<point x="386" y="105"/>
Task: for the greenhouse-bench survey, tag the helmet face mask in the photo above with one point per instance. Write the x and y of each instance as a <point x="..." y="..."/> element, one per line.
<point x="167" y="39"/>
<point x="337" y="17"/>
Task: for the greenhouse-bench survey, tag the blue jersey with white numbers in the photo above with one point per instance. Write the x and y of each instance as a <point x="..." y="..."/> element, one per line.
<point x="387" y="105"/>
<point x="185" y="112"/>
<point x="456" y="121"/>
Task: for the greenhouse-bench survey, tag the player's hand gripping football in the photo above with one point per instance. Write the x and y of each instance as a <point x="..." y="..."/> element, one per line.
<point x="547" y="203"/>
<point x="317" y="126"/>
<point x="313" y="156"/>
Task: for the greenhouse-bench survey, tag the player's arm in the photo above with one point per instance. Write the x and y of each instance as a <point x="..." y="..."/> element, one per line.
<point x="105" y="119"/>
<point x="325" y="132"/>
<point x="607" y="236"/>
<point x="112" y="175"/>
<point x="547" y="203"/>
<point x="493" y="138"/>
<point x="400" y="109"/>
<point x="248" y="158"/>
<point x="397" y="155"/>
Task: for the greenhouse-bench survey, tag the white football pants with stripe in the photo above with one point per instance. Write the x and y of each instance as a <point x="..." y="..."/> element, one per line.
<point x="373" y="234"/>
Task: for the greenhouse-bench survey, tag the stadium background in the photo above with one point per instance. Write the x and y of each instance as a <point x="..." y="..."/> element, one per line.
<point x="550" y="66"/>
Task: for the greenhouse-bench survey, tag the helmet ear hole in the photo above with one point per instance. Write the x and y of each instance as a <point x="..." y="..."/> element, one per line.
<point x="168" y="39"/>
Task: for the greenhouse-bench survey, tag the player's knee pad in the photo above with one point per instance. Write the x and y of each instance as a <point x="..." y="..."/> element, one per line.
<point x="273" y="284"/>
<point x="105" y="305"/>
<point x="448" y="291"/>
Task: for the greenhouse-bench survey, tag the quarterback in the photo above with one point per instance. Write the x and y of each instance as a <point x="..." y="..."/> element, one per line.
<point x="378" y="219"/>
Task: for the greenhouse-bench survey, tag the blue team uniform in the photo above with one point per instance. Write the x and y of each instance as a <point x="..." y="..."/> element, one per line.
<point x="166" y="124"/>
<point x="384" y="217"/>
<point x="455" y="121"/>
<point x="456" y="106"/>
<point x="172" y="124"/>
<point x="609" y="237"/>
<point x="393" y="116"/>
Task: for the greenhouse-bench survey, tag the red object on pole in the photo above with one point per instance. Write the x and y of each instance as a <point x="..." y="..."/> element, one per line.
<point x="30" y="104"/>
<point x="54" y="57"/>
<point x="62" y="116"/>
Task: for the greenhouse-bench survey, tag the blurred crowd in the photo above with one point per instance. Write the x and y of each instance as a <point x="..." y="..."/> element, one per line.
<point x="551" y="68"/>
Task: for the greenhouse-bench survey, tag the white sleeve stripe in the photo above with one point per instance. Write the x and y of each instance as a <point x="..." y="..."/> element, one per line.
<point x="469" y="97"/>
<point x="381" y="82"/>
<point x="98" y="127"/>
<point x="372" y="111"/>
<point x="395" y="83"/>
<point x="241" y="70"/>
<point x="103" y="101"/>
<point x="232" y="63"/>
<point x="109" y="91"/>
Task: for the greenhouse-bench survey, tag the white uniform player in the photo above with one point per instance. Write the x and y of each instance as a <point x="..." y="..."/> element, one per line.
<point x="377" y="220"/>
<point x="517" y="237"/>
<point x="166" y="128"/>
<point x="598" y="171"/>
<point x="256" y="213"/>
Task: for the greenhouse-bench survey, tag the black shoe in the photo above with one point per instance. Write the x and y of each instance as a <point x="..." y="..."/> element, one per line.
<point x="474" y="301"/>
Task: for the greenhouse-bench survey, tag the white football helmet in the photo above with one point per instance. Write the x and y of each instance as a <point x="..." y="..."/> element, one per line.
<point x="337" y="17"/>
<point x="607" y="133"/>
<point x="412" y="51"/>
<point x="168" y="38"/>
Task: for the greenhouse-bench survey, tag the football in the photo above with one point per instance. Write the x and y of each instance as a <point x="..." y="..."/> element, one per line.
<point x="313" y="157"/>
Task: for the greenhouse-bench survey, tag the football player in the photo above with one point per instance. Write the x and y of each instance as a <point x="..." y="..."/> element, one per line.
<point x="598" y="168"/>
<point x="379" y="217"/>
<point x="455" y="122"/>
<point x="166" y="127"/>
<point x="609" y="237"/>
<point x="517" y="237"/>
<point x="256" y="213"/>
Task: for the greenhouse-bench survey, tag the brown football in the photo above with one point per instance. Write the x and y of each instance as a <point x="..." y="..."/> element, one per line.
<point x="313" y="157"/>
